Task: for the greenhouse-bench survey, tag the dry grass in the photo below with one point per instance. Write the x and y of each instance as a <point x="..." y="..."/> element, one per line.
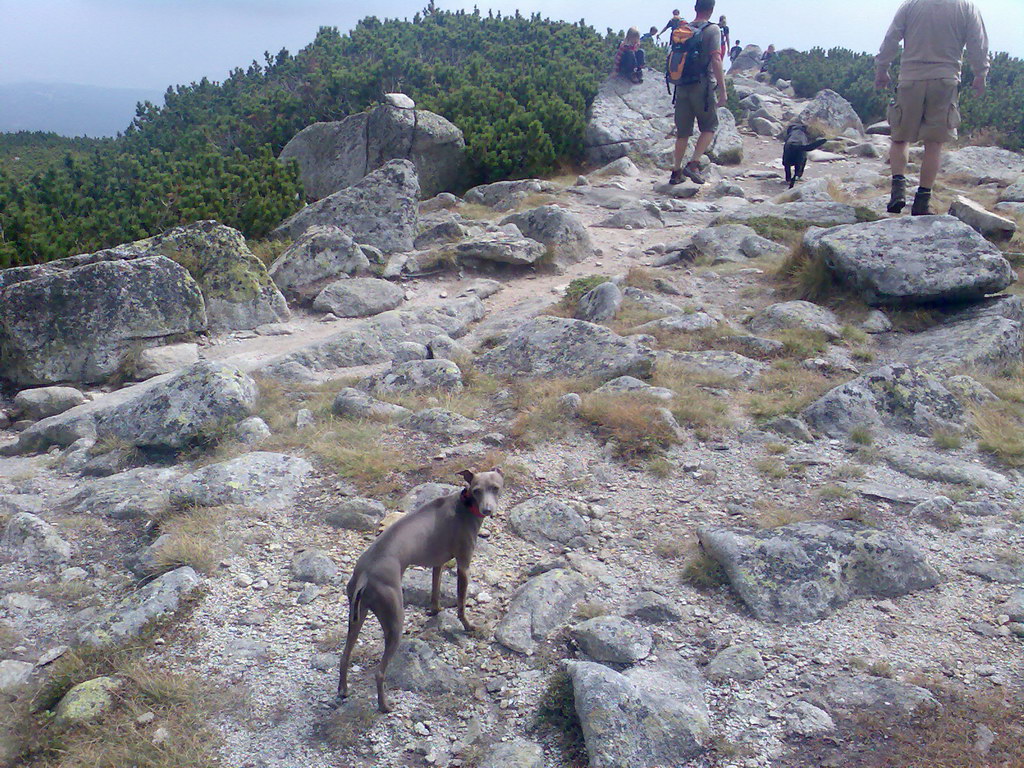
<point x="672" y="545"/>
<point x="782" y="231"/>
<point x="693" y="405"/>
<point x="784" y="389"/>
<point x="805" y="275"/>
<point x="833" y="491"/>
<point x="355" y="451"/>
<point x="1000" y="429"/>
<point x="556" y="715"/>
<point x="539" y="417"/>
<point x="802" y="343"/>
<point x="660" y="467"/>
<point x="771" y="467"/>
<point x="632" y="423"/>
<point x="770" y="515"/>
<point x="349" y="724"/>
<point x="947" y="439"/>
<point x="644" y="278"/>
<point x="268" y="251"/>
<point x="194" y="537"/>
<point x="703" y="572"/>
<point x="586" y="611"/>
<point x="862" y="435"/>
<point x="630" y="315"/>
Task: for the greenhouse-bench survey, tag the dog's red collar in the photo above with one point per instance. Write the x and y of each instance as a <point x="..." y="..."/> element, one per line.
<point x="470" y="502"/>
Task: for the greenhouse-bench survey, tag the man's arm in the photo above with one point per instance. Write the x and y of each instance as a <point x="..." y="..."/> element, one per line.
<point x="890" y="48"/>
<point x="665" y="27"/>
<point x="977" y="49"/>
<point x="713" y="44"/>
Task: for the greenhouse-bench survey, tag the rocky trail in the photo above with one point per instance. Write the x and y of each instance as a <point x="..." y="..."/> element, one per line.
<point x="752" y="519"/>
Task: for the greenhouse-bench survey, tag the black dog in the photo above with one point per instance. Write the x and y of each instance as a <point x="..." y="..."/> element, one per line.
<point x="794" y="153"/>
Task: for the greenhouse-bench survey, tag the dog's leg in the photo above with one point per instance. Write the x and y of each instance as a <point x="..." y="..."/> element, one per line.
<point x="463" y="575"/>
<point x="392" y="616"/>
<point x="355" y="624"/>
<point x="435" y="591"/>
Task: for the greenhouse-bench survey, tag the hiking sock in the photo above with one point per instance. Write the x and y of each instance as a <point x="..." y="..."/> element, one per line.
<point x="922" y="202"/>
<point x="898" y="198"/>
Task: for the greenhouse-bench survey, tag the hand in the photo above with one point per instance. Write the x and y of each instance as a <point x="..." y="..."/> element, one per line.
<point x="979" y="86"/>
<point x="723" y="98"/>
<point x="882" y="79"/>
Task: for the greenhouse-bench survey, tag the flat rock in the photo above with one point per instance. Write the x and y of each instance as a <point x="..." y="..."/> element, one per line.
<point x="930" y="466"/>
<point x="315" y="567"/>
<point x="42" y="402"/>
<point x="507" y="195"/>
<point x="517" y="753"/>
<point x="726" y="243"/>
<point x="729" y="366"/>
<point x="792" y="315"/>
<point x="613" y="639"/>
<point x="357" y="514"/>
<point x="259" y="480"/>
<point x="443" y="422"/>
<point x="639" y="216"/>
<point x="984" y="165"/>
<point x="13" y="675"/>
<point x="416" y="667"/>
<point x="135" y="493"/>
<point x="988" y="224"/>
<point x="810" y="213"/>
<point x="424" y="493"/>
<point x="804" y="571"/>
<point x="988" y="335"/>
<point x="503" y="246"/>
<point x="855" y="694"/>
<point x="359" y="297"/>
<point x="557" y="347"/>
<point x="538" y="608"/>
<point x="547" y="520"/>
<point x="170" y="358"/>
<point x="560" y="231"/>
<point x="737" y="662"/>
<point x="435" y="375"/>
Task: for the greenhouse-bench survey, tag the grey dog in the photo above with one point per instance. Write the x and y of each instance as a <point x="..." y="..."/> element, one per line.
<point x="430" y="536"/>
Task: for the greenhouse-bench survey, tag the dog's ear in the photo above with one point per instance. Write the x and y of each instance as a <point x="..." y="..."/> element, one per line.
<point x="467" y="475"/>
<point x="498" y="470"/>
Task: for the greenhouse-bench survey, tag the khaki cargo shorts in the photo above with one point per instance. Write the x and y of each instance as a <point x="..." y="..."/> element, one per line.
<point x="925" y="110"/>
<point x="696" y="101"/>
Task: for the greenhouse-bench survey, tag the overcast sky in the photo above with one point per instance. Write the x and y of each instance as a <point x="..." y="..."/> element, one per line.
<point x="155" y="43"/>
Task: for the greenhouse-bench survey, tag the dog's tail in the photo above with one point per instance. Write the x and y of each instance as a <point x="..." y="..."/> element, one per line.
<point x="355" y="597"/>
<point x="814" y="145"/>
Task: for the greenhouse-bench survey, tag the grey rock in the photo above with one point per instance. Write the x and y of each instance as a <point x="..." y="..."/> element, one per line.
<point x="727" y="147"/>
<point x="652" y="607"/>
<point x="501" y="246"/>
<point x="538" y="608"/>
<point x="507" y="195"/>
<point x="41" y="402"/>
<point x="171" y="358"/>
<point x="613" y="639"/>
<point x="315" y="567"/>
<point x="570" y="403"/>
<point x="417" y="586"/>
<point x="443" y="347"/>
<point x="857" y="694"/>
<point x="898" y="396"/>
<point x="804" y="720"/>
<point x="928" y="466"/>
<point x="30" y="538"/>
<point x="730" y="243"/>
<point x="876" y="322"/>
<point x="828" y="114"/>
<point x="621" y="167"/>
<point x="986" y="223"/>
<point x="259" y="480"/>
<point x="1013" y="193"/>
<point x="410" y="350"/>
<point x="252" y="431"/>
<point x="630" y="385"/>
<point x="762" y="126"/>
<point x="729" y="366"/>
<point x="129" y="617"/>
<point x="304" y="419"/>
<point x="978" y="508"/>
<point x="137" y="493"/>
<point x="802" y="315"/>
<point x="988" y="335"/>
<point x="637" y="216"/>
<point x="687" y="322"/>
<point x="984" y="165"/>
<point x="792" y="428"/>
<point x="517" y="753"/>
<point x="241" y="648"/>
<point x="650" y="717"/>
<point x="561" y="231"/>
<point x="912" y="260"/>
<point x="335" y="155"/>
<point x="628" y="119"/>
<point x="599" y="304"/>
<point x="354" y="404"/>
<point x="737" y="662"/>
<point x="544" y="520"/>
<point x="999" y="571"/>
<point x="424" y="493"/>
<point x="748" y="60"/>
<point x="149" y="559"/>
<point x="554" y="346"/>
<point x="443" y="422"/>
<point x="938" y="509"/>
<point x="320" y="254"/>
<point x="359" y="297"/>
<point x="804" y="571"/>
<point x="811" y="213"/>
<point x="417" y="668"/>
<point x="1014" y="607"/>
<point x="416" y="376"/>
<point x="13" y="675"/>
<point x="86" y="702"/>
<point x="379" y="210"/>
<point x="67" y="321"/>
<point x="356" y="514"/>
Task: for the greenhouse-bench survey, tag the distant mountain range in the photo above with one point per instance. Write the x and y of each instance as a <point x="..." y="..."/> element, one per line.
<point x="68" y="109"/>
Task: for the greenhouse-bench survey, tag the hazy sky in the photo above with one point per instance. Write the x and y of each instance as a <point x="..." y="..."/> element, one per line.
<point x="154" y="43"/>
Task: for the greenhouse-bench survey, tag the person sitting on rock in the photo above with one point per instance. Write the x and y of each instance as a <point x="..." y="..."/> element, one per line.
<point x="698" y="101"/>
<point x="925" y="107"/>
<point x="674" y="22"/>
<point x="766" y="58"/>
<point x="630" y="58"/>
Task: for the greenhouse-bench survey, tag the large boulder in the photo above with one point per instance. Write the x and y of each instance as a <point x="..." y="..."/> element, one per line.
<point x="126" y="620"/>
<point x="30" y="538"/>
<point x="817" y="214"/>
<point x="135" y="493"/>
<point x="83" y="323"/>
<point x="380" y="209"/>
<point x="42" y="402"/>
<point x="238" y="292"/>
<point x="359" y="297"/>
<point x="613" y="640"/>
<point x="505" y="245"/>
<point x="727" y="147"/>
<point x="804" y="571"/>
<point x="257" y="480"/>
<point x="912" y="260"/>
<point x="988" y="335"/>
<point x="560" y="230"/>
<point x="332" y="156"/>
<point x="599" y="304"/>
<point x="416" y="667"/>
<point x="416" y="376"/>
<point x="828" y="115"/>
<point x="557" y="347"/>
<point x="195" y="405"/>
<point x="899" y="396"/>
<point x="547" y="521"/>
<point x="854" y="695"/>
<point x="507" y="195"/>
<point x="320" y="255"/>
<point x="984" y="165"/>
<point x="539" y="607"/>
<point x="749" y="60"/>
<point x="375" y="340"/>
<point x="628" y="119"/>
<point x="730" y="243"/>
<point x="647" y="717"/>
<point x="797" y="315"/>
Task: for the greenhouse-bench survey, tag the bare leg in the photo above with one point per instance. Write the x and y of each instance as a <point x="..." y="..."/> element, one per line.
<point x="898" y="156"/>
<point x="391" y="619"/>
<point x="930" y="163"/>
<point x="703" y="142"/>
<point x="463" y="574"/>
<point x="680" y="151"/>
<point x="435" y="591"/>
<point x="350" y="642"/>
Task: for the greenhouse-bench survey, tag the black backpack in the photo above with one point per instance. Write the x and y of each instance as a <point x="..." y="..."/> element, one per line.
<point x="685" y="64"/>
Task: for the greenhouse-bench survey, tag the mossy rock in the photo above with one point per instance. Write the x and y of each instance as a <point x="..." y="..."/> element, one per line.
<point x="86" y="701"/>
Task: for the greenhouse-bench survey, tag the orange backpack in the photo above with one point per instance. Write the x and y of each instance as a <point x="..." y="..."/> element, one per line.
<point x="685" y="65"/>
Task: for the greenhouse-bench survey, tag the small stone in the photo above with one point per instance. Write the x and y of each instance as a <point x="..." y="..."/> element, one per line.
<point x="145" y="718"/>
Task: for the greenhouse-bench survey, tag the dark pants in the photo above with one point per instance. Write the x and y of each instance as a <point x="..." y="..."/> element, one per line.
<point x="631" y="61"/>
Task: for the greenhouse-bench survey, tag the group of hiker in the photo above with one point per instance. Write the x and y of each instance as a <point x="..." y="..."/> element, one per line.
<point x="924" y="107"/>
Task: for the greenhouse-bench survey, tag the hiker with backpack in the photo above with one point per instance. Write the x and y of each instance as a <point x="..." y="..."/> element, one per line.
<point x="630" y="58"/>
<point x="673" y="24"/>
<point x="735" y="52"/>
<point x="694" y="76"/>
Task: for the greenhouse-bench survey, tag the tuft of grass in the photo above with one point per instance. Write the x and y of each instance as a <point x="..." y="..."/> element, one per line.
<point x="777" y="449"/>
<point x="539" y="417"/>
<point x="783" y="231"/>
<point x="784" y="389"/>
<point x="1000" y="429"/>
<point x="660" y="467"/>
<point x="862" y="435"/>
<point x="771" y="467"/>
<point x="591" y="610"/>
<point x="355" y="451"/>
<point x="947" y="439"/>
<point x="913" y="320"/>
<point x="774" y="516"/>
<point x="268" y="251"/>
<point x="806" y="276"/>
<point x="703" y="572"/>
<point x="557" y="715"/>
<point x="644" y="278"/>
<point x="349" y="724"/>
<point x="849" y="472"/>
<point x="633" y="423"/>
<point x="834" y="491"/>
<point x="630" y="315"/>
<point x="672" y="546"/>
<point x="802" y="342"/>
<point x="579" y="288"/>
<point x="693" y="405"/>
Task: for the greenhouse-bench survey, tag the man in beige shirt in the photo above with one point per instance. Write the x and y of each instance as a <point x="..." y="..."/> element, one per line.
<point x="934" y="35"/>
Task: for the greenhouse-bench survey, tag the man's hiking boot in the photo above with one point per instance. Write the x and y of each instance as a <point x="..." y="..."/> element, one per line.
<point x="676" y="177"/>
<point x="898" y="198"/>
<point x="692" y="172"/>
<point x="922" y="204"/>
